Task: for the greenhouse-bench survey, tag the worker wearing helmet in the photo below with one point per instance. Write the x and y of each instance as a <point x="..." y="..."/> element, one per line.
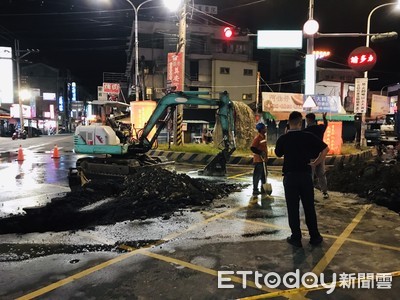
<point x="260" y="151"/>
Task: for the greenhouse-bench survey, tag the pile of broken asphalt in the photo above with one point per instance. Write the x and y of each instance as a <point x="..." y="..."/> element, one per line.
<point x="375" y="180"/>
<point x="151" y="192"/>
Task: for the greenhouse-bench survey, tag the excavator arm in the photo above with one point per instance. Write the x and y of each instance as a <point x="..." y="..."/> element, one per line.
<point x="171" y="100"/>
<point x="217" y="167"/>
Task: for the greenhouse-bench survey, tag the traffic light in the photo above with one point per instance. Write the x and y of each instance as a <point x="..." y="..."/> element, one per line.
<point x="384" y="37"/>
<point x="230" y="32"/>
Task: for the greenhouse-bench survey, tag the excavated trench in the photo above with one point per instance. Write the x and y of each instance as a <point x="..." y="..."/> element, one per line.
<point x="152" y="192"/>
<point x="373" y="180"/>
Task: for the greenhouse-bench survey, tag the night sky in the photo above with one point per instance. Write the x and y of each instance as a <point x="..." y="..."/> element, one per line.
<point x="89" y="36"/>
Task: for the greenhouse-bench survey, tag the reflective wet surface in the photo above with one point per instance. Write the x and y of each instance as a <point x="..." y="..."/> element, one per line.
<point x="33" y="181"/>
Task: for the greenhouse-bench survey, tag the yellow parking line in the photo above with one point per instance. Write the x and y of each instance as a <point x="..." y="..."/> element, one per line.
<point x="239" y="175"/>
<point x="79" y="275"/>
<point x="122" y="257"/>
<point x="325" y="260"/>
<point x="374" y="244"/>
<point x="323" y="234"/>
<point x="208" y="214"/>
<point x="241" y="179"/>
<point x="303" y="289"/>
<point x="204" y="222"/>
<point x="330" y="254"/>
<point x="203" y="270"/>
<point x="264" y="224"/>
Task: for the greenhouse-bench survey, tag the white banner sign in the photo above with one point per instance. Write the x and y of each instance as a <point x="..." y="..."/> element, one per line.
<point x="6" y="76"/>
<point x="272" y="39"/>
<point x="361" y="92"/>
<point x="380" y="105"/>
<point x="282" y="102"/>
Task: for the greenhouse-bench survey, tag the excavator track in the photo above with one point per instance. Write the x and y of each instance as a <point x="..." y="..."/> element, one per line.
<point x="100" y="168"/>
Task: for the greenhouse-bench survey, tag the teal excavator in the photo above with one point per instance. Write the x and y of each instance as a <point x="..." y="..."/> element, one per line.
<point x="113" y="153"/>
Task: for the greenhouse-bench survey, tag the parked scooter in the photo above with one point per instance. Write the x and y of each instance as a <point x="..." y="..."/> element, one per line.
<point x="19" y="134"/>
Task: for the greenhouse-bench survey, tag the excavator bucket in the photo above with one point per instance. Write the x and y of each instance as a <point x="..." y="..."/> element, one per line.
<point x="217" y="166"/>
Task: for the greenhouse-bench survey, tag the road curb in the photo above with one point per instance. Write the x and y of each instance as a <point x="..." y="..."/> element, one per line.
<point x="237" y="160"/>
<point x="248" y="160"/>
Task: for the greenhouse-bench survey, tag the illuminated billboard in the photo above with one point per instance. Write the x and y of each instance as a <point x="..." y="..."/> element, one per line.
<point x="273" y="39"/>
<point x="6" y="76"/>
<point x="49" y="96"/>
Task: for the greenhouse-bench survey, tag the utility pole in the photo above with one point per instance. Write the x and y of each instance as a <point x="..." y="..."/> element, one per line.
<point x="310" y="39"/>
<point x="310" y="29"/>
<point x="17" y="61"/>
<point x="258" y="92"/>
<point x="178" y="135"/>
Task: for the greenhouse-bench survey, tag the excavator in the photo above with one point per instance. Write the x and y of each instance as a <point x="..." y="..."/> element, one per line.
<point x="115" y="154"/>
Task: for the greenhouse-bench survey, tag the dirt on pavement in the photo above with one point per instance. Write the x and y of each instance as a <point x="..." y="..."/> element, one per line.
<point x="374" y="180"/>
<point x="151" y="192"/>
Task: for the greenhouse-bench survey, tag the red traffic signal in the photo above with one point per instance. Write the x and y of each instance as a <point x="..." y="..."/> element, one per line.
<point x="362" y="59"/>
<point x="228" y="32"/>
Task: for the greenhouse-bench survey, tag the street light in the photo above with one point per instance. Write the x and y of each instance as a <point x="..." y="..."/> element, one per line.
<point x="173" y="5"/>
<point x="385" y="86"/>
<point x="310" y="29"/>
<point x="135" y="28"/>
<point x="369" y="24"/>
<point x="362" y="137"/>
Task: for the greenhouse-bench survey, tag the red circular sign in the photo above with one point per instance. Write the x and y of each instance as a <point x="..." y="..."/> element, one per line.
<point x="362" y="59"/>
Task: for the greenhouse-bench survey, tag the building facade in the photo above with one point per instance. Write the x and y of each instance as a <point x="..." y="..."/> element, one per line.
<point x="212" y="62"/>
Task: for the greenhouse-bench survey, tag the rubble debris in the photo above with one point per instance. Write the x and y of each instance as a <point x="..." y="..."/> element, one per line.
<point x="151" y="192"/>
<point x="376" y="181"/>
<point x="20" y="252"/>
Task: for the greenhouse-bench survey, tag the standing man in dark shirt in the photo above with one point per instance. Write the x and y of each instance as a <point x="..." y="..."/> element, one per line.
<point x="299" y="149"/>
<point x="319" y="170"/>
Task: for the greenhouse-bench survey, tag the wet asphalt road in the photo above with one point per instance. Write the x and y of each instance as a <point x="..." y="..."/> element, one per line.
<point x="179" y="258"/>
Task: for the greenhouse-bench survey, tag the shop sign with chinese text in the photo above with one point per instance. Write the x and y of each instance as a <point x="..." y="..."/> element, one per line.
<point x="174" y="70"/>
<point x="360" y="93"/>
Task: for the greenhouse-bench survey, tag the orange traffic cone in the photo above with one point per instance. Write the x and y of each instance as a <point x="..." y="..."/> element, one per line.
<point x="20" y="156"/>
<point x="55" y="152"/>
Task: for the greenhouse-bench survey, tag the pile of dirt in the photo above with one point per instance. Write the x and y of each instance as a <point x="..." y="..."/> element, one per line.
<point x="151" y="192"/>
<point x="244" y="127"/>
<point x="376" y="181"/>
